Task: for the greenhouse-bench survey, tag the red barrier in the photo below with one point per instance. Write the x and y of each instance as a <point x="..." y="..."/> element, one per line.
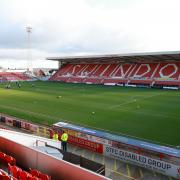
<point x="57" y="169"/>
<point x="93" y="146"/>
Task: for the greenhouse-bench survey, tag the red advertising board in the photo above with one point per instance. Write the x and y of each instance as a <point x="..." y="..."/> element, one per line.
<point x="9" y="121"/>
<point x="96" y="147"/>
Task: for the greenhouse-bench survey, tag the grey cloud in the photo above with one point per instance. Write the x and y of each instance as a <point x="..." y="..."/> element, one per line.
<point x="102" y="28"/>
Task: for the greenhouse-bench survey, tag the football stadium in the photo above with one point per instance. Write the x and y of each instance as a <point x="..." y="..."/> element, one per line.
<point x="130" y="101"/>
<point x="89" y="90"/>
<point x="148" y="112"/>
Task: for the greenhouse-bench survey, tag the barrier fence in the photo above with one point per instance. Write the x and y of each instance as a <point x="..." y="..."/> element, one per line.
<point x="165" y="160"/>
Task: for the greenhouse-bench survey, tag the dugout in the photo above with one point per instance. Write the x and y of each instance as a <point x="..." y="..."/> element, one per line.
<point x="155" y="157"/>
<point x="84" y="162"/>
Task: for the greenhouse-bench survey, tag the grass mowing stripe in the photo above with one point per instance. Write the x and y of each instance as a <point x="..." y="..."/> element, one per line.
<point x="134" y="100"/>
<point x="28" y="112"/>
<point x="154" y="115"/>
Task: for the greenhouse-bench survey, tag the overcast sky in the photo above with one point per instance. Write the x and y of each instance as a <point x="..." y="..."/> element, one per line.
<point x="81" y="27"/>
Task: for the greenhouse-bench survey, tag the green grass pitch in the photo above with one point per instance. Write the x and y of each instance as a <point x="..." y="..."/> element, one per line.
<point x="150" y="114"/>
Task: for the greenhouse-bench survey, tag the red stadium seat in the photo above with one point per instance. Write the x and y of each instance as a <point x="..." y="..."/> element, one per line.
<point x="10" y="160"/>
<point x="2" y="172"/>
<point x="13" y="178"/>
<point x="23" y="175"/>
<point x="138" y="73"/>
<point x="33" y="178"/>
<point x="2" y="158"/>
<point x="2" y="155"/>
<point x="4" y="177"/>
<point x="10" y="76"/>
<point x="44" y="177"/>
<point x="14" y="170"/>
<point x="34" y="172"/>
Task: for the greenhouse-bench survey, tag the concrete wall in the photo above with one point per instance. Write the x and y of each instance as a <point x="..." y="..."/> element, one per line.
<point x="57" y="169"/>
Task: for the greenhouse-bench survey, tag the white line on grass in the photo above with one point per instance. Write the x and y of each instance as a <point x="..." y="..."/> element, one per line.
<point x="133" y="101"/>
<point x="56" y="118"/>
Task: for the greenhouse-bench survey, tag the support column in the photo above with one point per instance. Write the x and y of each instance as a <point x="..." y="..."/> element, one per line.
<point x="59" y="64"/>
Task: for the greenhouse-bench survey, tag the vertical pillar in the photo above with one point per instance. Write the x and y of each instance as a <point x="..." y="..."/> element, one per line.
<point x="59" y="64"/>
<point x="38" y="132"/>
<point x="29" y="55"/>
<point x="45" y="132"/>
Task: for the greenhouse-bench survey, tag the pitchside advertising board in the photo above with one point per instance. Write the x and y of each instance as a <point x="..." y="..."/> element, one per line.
<point x="106" y="143"/>
<point x="146" y="162"/>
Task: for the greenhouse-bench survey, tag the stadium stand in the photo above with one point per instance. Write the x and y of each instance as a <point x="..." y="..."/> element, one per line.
<point x="5" y="159"/>
<point x="154" y="69"/>
<point x="13" y="76"/>
<point x="9" y="170"/>
<point x="128" y="73"/>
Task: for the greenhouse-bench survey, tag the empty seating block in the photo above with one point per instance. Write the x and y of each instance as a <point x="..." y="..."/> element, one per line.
<point x="10" y="160"/>
<point x="34" y="172"/>
<point x="2" y="158"/>
<point x="44" y="177"/>
<point x="16" y="173"/>
<point x="4" y="177"/>
<point x="14" y="170"/>
<point x="137" y="73"/>
<point x="38" y="174"/>
<point x="6" y="159"/>
<point x="23" y="175"/>
<point x="10" y="76"/>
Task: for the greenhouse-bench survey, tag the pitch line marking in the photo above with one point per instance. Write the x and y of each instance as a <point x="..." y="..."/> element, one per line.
<point x="132" y="101"/>
<point x="56" y="118"/>
<point x="43" y="115"/>
<point x="129" y="102"/>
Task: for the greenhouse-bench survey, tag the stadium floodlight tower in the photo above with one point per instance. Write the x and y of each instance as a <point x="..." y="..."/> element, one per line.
<point x="29" y="55"/>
